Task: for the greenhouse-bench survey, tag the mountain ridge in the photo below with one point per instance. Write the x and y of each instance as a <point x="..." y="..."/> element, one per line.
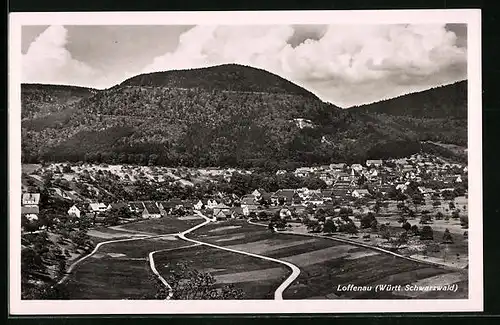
<point x="229" y="115"/>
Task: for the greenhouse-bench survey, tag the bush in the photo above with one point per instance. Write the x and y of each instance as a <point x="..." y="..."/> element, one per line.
<point x="406" y="226"/>
<point x="447" y="238"/>
<point x="427" y="233"/>
<point x="367" y="220"/>
<point x="464" y="221"/>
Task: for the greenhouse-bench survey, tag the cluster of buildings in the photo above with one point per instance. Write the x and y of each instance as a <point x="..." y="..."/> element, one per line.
<point x="344" y="183"/>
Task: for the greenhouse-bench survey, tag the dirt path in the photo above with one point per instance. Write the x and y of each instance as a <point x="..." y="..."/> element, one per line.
<point x="278" y="294"/>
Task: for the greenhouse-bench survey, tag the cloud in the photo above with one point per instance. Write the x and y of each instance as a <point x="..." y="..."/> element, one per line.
<point x="344" y="64"/>
<point x="47" y="60"/>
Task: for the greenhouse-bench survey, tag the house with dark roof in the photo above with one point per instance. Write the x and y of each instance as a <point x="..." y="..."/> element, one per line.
<point x="283" y="195"/>
<point x="30" y="199"/>
<point x="151" y="210"/>
<point x="362" y="192"/>
<point x="221" y="207"/>
<point x="136" y="207"/>
<point x="31" y="212"/>
<point x="222" y="214"/>
<point x="340" y="192"/>
<point x="237" y="212"/>
<point x="314" y="198"/>
<point x="374" y="162"/>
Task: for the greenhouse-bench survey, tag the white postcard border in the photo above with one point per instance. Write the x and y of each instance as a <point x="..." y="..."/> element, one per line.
<point x="475" y="301"/>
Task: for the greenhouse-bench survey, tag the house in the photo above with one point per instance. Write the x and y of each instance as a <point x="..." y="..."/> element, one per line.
<point x="199" y="205"/>
<point x="211" y="203"/>
<point x="358" y="193"/>
<point x="151" y="210"/>
<point x="340" y="192"/>
<point x="257" y="194"/>
<point x="248" y="200"/>
<point x="97" y="207"/>
<point x="30" y="199"/>
<point x="283" y="196"/>
<point x="357" y="167"/>
<point x="327" y="195"/>
<point x="117" y="205"/>
<point x="136" y="207"/>
<point x="30" y="212"/>
<point x="401" y="187"/>
<point x="296" y="198"/>
<point x="374" y="163"/>
<point x="285" y="213"/>
<point x="221" y="215"/>
<point x="338" y="167"/>
<point x="74" y="211"/>
<point x="237" y="212"/>
<point x="247" y="209"/>
<point x="221" y="207"/>
<point x="302" y="172"/>
<point x="314" y="198"/>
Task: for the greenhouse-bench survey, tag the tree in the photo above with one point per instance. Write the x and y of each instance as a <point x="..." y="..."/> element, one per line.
<point x="190" y="284"/>
<point x="329" y="226"/>
<point x="351" y="228"/>
<point x="385" y="232"/>
<point x="402" y="239"/>
<point x="406" y="226"/>
<point x="67" y="169"/>
<point x="426" y="233"/>
<point x="367" y="220"/>
<point x="447" y="238"/>
<point x="464" y="221"/>
<point x="414" y="229"/>
<point x="425" y="218"/>
<point x="313" y="226"/>
<point x="439" y="216"/>
<point x="455" y="214"/>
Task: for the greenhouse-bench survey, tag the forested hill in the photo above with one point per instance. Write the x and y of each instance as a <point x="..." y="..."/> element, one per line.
<point x="41" y="99"/>
<point x="227" y="115"/>
<point x="228" y="77"/>
<point x="448" y="101"/>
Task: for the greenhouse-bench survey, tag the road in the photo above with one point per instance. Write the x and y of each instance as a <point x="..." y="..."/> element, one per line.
<point x="278" y="294"/>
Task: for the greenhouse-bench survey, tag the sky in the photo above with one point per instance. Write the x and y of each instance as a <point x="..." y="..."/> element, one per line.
<point x="346" y="65"/>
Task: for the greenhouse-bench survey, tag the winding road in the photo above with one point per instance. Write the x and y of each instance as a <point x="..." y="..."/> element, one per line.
<point x="278" y="294"/>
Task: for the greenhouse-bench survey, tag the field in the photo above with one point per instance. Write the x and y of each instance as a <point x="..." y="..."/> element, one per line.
<point x="165" y="225"/>
<point x="326" y="263"/>
<point x="256" y="277"/>
<point x="121" y="270"/>
<point x="118" y="271"/>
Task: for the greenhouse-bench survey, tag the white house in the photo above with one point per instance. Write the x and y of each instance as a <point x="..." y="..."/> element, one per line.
<point x="357" y="167"/>
<point x="211" y="203"/>
<point x="74" y="211"/>
<point x="30" y="199"/>
<point x="97" y="207"/>
<point x="374" y="163"/>
<point x="285" y="214"/>
<point x="360" y="193"/>
<point x="198" y="205"/>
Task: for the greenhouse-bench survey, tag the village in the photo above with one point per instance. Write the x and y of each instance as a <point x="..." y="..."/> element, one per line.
<point x="374" y="203"/>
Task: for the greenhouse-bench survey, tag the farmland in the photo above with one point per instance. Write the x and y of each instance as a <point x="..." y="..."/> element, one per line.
<point x="257" y="278"/>
<point x="326" y="263"/>
<point x="118" y="271"/>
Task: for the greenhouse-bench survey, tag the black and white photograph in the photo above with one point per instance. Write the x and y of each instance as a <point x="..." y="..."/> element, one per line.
<point x="234" y="162"/>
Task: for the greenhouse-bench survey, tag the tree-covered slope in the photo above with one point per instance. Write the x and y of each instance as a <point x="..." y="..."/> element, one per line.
<point x="227" y="115"/>
<point x="448" y="101"/>
<point x="39" y="100"/>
